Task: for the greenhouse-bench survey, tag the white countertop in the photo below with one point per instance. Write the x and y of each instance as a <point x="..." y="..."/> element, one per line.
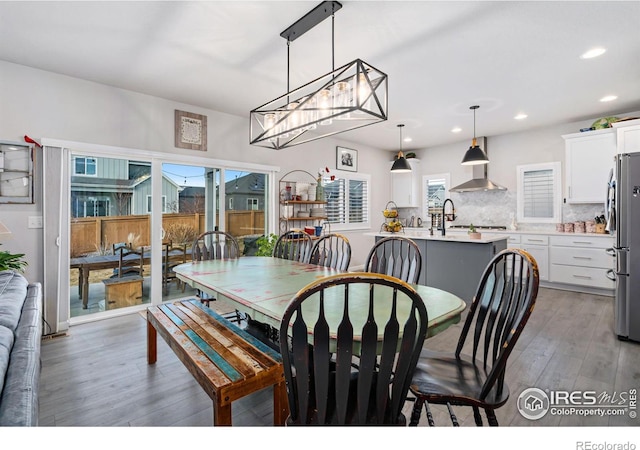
<point x="459" y="231"/>
<point x="423" y="233"/>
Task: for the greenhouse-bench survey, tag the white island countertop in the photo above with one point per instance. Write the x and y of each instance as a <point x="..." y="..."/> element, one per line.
<point x="453" y="237"/>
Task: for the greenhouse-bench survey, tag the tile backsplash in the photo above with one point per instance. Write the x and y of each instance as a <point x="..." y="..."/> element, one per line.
<point x="498" y="208"/>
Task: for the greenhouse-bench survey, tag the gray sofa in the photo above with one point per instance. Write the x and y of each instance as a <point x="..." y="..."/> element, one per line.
<point x="20" y="335"/>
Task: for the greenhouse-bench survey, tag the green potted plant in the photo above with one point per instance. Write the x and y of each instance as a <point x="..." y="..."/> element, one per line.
<point x="266" y="244"/>
<point x="473" y="234"/>
<point x="12" y="261"/>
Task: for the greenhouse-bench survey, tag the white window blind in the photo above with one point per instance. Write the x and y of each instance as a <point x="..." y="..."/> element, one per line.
<point x="358" y="207"/>
<point x="539" y="193"/>
<point x="336" y="205"/>
<point x="348" y="201"/>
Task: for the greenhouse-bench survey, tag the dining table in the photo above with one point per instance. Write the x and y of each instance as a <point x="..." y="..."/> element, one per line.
<point x="262" y="287"/>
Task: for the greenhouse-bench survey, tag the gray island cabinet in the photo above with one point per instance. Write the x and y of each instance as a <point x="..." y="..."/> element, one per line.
<point x="453" y="263"/>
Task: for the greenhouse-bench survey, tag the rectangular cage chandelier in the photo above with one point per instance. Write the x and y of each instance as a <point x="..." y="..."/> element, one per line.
<point x="349" y="97"/>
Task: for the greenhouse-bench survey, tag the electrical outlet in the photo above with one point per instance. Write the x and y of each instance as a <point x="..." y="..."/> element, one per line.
<point x="35" y="222"/>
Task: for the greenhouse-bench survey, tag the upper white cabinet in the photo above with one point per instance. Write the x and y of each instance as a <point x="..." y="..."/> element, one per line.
<point x="405" y="187"/>
<point x="628" y="136"/>
<point x="589" y="157"/>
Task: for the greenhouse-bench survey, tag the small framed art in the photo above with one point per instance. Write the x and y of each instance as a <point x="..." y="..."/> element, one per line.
<point x="190" y="131"/>
<point x="346" y="159"/>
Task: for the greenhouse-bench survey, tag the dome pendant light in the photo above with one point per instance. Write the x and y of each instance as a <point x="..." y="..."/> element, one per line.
<point x="475" y="155"/>
<point x="401" y="164"/>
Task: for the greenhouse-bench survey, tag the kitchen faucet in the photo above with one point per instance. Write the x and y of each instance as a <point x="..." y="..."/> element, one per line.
<point x="444" y="216"/>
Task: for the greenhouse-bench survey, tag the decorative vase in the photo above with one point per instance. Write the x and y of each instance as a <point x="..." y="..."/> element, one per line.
<point x="320" y="191"/>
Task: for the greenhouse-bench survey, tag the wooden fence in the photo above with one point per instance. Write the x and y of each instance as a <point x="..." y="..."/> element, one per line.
<point x="97" y="234"/>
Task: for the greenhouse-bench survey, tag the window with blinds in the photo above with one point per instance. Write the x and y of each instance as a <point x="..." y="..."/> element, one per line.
<point x="435" y="188"/>
<point x="348" y="201"/>
<point x="539" y="194"/>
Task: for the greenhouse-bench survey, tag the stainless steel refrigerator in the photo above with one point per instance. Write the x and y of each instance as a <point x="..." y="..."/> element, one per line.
<point x="626" y="205"/>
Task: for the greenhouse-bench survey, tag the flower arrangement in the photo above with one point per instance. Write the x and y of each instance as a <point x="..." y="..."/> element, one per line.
<point x="322" y="172"/>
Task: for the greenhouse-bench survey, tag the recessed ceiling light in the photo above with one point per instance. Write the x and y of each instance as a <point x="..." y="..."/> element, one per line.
<point x="608" y="98"/>
<point x="456" y="130"/>
<point x="520" y="116"/>
<point x="408" y="139"/>
<point x="592" y="53"/>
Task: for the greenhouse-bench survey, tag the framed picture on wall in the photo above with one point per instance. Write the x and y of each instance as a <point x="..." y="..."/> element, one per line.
<point x="190" y="131"/>
<point x="346" y="159"/>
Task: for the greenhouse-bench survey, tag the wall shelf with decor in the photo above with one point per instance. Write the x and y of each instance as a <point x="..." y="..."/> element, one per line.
<point x="16" y="172"/>
<point x="299" y="206"/>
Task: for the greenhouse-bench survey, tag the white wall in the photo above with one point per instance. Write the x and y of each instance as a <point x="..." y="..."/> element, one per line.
<point x="42" y="104"/>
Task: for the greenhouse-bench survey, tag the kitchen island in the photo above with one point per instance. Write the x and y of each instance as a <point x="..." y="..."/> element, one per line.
<point x="453" y="262"/>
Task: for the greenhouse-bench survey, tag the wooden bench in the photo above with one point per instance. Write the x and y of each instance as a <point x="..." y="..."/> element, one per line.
<point x="122" y="292"/>
<point x="227" y="362"/>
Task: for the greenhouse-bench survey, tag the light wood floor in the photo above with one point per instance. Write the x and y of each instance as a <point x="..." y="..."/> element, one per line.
<point x="97" y="375"/>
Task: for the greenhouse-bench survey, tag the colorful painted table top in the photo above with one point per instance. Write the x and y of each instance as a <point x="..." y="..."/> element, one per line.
<point x="264" y="286"/>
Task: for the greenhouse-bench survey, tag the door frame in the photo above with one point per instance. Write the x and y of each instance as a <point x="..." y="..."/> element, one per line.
<point x="61" y="256"/>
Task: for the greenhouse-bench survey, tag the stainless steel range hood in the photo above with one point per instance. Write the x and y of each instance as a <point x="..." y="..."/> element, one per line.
<point x="479" y="182"/>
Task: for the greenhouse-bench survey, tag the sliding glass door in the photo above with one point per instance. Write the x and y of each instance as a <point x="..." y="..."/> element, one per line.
<point x="193" y="210"/>
<point x="198" y="208"/>
<point x="133" y="220"/>
<point x="110" y="233"/>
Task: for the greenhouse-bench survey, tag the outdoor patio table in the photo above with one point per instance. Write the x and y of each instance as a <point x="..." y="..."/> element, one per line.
<point x="85" y="264"/>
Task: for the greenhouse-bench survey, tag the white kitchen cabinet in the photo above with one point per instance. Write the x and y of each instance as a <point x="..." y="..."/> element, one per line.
<point x="514" y="240"/>
<point x="405" y="187"/>
<point x="628" y="136"/>
<point x="538" y="246"/>
<point x="581" y="260"/>
<point x="588" y="159"/>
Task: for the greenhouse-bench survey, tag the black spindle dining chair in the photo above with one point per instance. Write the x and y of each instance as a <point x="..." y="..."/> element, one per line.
<point x="294" y="245"/>
<point x="500" y="309"/>
<point x="397" y="256"/>
<point x="381" y="320"/>
<point x="212" y="245"/>
<point x="331" y="250"/>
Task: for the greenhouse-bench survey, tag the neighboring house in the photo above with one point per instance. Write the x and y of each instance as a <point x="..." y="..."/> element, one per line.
<point x="116" y="187"/>
<point x="246" y="192"/>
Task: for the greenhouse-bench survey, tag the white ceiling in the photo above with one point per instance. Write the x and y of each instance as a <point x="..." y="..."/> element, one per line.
<point x="441" y="57"/>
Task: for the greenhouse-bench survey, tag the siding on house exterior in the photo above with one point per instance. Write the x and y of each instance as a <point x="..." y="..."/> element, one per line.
<point x="108" y="168"/>
<point x="142" y="193"/>
<point x="116" y="187"/>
